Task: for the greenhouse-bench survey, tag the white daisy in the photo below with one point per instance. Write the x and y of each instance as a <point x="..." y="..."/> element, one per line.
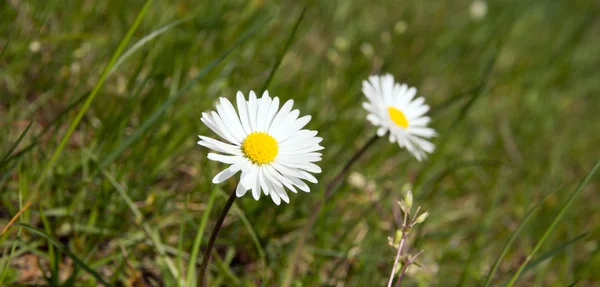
<point x="391" y="107"/>
<point x="266" y="143"/>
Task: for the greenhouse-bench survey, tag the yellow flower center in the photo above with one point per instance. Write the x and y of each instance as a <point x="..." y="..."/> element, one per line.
<point x="398" y="117"/>
<point x="260" y="148"/>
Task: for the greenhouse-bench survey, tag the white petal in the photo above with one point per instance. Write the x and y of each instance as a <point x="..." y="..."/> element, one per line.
<point x="271" y="113"/>
<point x="230" y="112"/>
<point x="423" y="144"/>
<point x="275" y="197"/>
<point x="224" y="175"/>
<point x="277" y="123"/>
<point x="211" y="124"/>
<point x="422" y="132"/>
<point x="256" y="186"/>
<point x="285" y="127"/>
<point x="226" y="132"/>
<point x="243" y="112"/>
<point x="281" y="192"/>
<point x="249" y="178"/>
<point x="252" y="110"/>
<point x="295" y="127"/>
<point x="420" y="122"/>
<point x="241" y="189"/>
<point x="263" y="108"/>
<point x="263" y="181"/>
<point x="228" y="159"/>
<point x="282" y="179"/>
<point x="219" y="146"/>
<point x="311" y="167"/>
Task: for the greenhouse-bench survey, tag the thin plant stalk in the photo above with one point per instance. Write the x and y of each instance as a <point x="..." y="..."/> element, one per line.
<point x="398" y="255"/>
<point x="405" y="267"/>
<point x="213" y="237"/>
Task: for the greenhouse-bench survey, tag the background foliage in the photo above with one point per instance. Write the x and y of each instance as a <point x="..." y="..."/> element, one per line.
<point x="514" y="97"/>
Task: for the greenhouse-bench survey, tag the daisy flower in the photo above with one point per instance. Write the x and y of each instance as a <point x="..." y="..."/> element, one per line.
<point x="392" y="108"/>
<point x="266" y="143"/>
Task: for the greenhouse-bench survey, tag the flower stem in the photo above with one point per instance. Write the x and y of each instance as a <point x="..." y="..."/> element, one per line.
<point x="398" y="255"/>
<point x="213" y="238"/>
<point x="330" y="188"/>
<point x="409" y="262"/>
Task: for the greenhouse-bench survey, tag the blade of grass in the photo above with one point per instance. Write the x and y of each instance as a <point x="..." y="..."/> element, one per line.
<point x="53" y="256"/>
<point x="145" y="226"/>
<point x="284" y="51"/>
<point x="14" y="146"/>
<point x="513" y="237"/>
<point x="191" y="274"/>
<point x="553" y="224"/>
<point x="64" y="250"/>
<point x="142" y="128"/>
<point x="139" y="44"/>
<point x="22" y="191"/>
<point x="93" y="94"/>
<point x="5" y="46"/>
<point x="55" y="121"/>
<point x="181" y="238"/>
<point x="553" y="252"/>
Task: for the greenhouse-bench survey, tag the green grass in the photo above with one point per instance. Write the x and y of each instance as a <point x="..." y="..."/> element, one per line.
<point x="514" y="99"/>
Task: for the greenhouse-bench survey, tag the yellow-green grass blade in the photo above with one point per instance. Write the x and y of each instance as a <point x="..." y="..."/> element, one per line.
<point x="14" y="146"/>
<point x="513" y="237"/>
<point x="553" y="225"/>
<point x="93" y="94"/>
<point x="191" y="274"/>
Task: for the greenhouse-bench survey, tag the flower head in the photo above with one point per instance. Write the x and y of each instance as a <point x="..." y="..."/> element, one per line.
<point x="266" y="143"/>
<point x="392" y="107"/>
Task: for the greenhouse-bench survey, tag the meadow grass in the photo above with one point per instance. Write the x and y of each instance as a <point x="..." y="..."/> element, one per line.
<point x="102" y="182"/>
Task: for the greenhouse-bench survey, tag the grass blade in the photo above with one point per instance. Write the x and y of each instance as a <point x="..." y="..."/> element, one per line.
<point x="93" y="94"/>
<point x="145" y="226"/>
<point x="141" y="129"/>
<point x="14" y="146"/>
<point x="513" y="237"/>
<point x="139" y="44"/>
<point x="284" y="51"/>
<point x="65" y="250"/>
<point x="553" y="224"/>
<point x="191" y="274"/>
<point x="553" y="252"/>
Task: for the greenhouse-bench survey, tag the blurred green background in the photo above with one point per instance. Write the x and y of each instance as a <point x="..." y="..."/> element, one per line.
<point x="514" y="90"/>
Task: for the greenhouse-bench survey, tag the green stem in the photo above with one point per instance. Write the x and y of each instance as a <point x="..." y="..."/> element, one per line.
<point x="213" y="237"/>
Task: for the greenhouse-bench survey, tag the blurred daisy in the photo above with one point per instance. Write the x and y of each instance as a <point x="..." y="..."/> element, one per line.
<point x="392" y="108"/>
<point x="266" y="143"/>
<point x="478" y="10"/>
